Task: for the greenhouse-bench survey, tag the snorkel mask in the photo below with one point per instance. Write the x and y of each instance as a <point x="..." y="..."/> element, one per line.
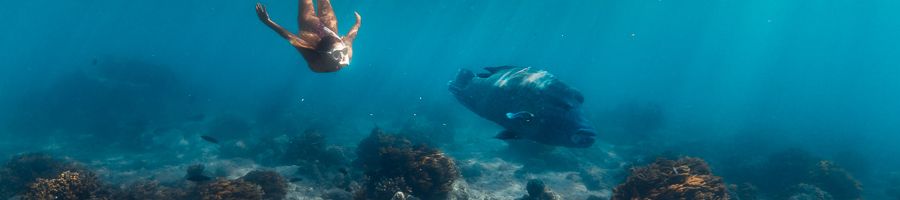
<point x="339" y="52"/>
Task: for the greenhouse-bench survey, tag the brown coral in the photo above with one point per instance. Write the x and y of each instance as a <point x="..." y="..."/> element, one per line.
<point x="223" y="189"/>
<point x="392" y="164"/>
<point x="68" y="185"/>
<point x="149" y="190"/>
<point x="19" y="172"/>
<point x="685" y="178"/>
<point x="835" y="180"/>
<point x="272" y="183"/>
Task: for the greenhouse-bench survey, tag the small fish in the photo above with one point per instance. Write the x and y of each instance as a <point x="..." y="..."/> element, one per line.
<point x="296" y="179"/>
<point x="210" y="139"/>
<point x="94" y="62"/>
<point x="343" y="171"/>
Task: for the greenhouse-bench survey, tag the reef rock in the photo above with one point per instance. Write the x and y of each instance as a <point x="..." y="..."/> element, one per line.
<point x="272" y="183"/>
<point x="223" y="189"/>
<point x="685" y="178"/>
<point x="809" y="192"/>
<point x="69" y="185"/>
<point x="148" y="190"/>
<point x="22" y="170"/>
<point x="391" y="164"/>
<point x="537" y="190"/>
<point x="837" y="181"/>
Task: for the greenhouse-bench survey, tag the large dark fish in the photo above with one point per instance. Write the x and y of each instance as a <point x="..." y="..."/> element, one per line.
<point x="529" y="103"/>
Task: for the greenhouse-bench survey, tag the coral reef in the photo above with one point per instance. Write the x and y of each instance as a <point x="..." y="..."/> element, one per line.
<point x="311" y="148"/>
<point x="272" y="183"/>
<point x="223" y="189"/>
<point x="837" y="181"/>
<point x="685" y="178"/>
<point x="20" y="171"/>
<point x="808" y="192"/>
<point x="316" y="159"/>
<point x="537" y="190"/>
<point x="784" y="170"/>
<point x="392" y="164"/>
<point x="69" y="185"/>
<point x="745" y="191"/>
<point x="195" y="173"/>
<point x="148" y="190"/>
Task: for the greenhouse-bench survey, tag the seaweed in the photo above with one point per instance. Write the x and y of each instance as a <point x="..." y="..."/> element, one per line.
<point x="223" y="189"/>
<point x="537" y="190"/>
<point x="391" y="164"/>
<point x="69" y="185"/>
<point x="273" y="184"/>
<point x="20" y="171"/>
<point x="685" y="178"/>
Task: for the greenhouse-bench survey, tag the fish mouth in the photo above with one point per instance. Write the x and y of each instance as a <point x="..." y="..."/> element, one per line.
<point x="584" y="138"/>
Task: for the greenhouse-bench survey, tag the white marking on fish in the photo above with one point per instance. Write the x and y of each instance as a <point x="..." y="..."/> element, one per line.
<point x="504" y="79"/>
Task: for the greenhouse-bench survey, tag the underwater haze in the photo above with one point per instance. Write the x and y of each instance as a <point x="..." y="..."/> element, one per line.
<point x="781" y="99"/>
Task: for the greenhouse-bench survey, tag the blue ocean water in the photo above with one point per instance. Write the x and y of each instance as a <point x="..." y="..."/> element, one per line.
<point x="720" y="80"/>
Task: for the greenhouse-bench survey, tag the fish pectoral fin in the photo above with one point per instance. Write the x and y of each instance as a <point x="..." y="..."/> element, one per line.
<point x="508" y="135"/>
<point x="521" y="116"/>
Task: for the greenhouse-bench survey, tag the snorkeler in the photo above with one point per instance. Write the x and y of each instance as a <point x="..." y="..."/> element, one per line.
<point x="318" y="40"/>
